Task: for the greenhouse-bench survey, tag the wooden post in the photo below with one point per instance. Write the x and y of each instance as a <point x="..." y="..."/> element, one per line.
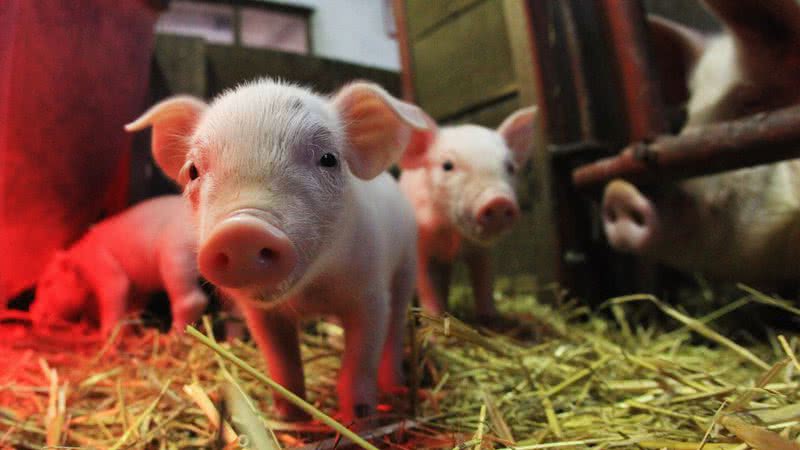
<point x="586" y="54"/>
<point x="403" y="44"/>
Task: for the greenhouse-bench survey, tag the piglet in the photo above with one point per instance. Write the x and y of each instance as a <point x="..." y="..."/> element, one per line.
<point x="460" y="181"/>
<point x="296" y="217"/>
<point x="108" y="273"/>
<point x="742" y="225"/>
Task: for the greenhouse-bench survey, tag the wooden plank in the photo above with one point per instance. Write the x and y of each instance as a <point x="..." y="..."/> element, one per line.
<point x="490" y="115"/>
<point x="464" y="63"/>
<point x="538" y="228"/>
<point x="180" y="65"/>
<point x="428" y="14"/>
<point x="519" y="40"/>
<point x="228" y="67"/>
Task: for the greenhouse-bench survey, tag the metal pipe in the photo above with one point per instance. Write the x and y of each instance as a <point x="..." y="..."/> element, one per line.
<point x="760" y="139"/>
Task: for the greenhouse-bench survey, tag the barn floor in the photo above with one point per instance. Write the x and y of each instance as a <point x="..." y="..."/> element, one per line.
<point x="558" y="377"/>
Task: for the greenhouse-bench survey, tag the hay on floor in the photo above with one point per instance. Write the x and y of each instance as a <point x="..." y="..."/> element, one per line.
<point x="587" y="381"/>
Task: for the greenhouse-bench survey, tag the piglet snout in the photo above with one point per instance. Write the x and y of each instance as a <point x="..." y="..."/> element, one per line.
<point x="497" y="214"/>
<point x="629" y="218"/>
<point x="246" y="251"/>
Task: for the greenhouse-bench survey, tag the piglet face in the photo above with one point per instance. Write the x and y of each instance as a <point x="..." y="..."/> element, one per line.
<point x="472" y="172"/>
<point x="472" y="179"/>
<point x="266" y="180"/>
<point x="62" y="294"/>
<point x="269" y="168"/>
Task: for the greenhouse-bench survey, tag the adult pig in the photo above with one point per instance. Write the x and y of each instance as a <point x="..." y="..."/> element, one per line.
<point x="107" y="273"/>
<point x="460" y="180"/>
<point x="742" y="225"/>
<point x="296" y="218"/>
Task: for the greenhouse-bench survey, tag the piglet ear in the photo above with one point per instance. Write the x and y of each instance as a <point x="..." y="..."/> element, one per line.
<point x="377" y="127"/>
<point x="173" y="121"/>
<point x="416" y="152"/>
<point x="517" y="130"/>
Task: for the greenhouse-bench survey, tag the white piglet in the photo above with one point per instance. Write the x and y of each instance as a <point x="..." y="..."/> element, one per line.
<point x="460" y="180"/>
<point x="296" y="217"/>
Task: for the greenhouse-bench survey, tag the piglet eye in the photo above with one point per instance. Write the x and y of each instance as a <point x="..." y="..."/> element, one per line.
<point x="509" y="168"/>
<point x="447" y="166"/>
<point x="328" y="160"/>
<point x="193" y="173"/>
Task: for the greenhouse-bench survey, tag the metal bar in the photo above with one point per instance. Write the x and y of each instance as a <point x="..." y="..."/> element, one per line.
<point x="597" y="95"/>
<point x="627" y="31"/>
<point x="760" y="139"/>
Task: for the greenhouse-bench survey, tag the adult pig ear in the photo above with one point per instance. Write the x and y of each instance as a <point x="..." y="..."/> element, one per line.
<point x="173" y="121"/>
<point x="377" y="127"/>
<point x="760" y="22"/>
<point x="676" y="49"/>
<point x="766" y="32"/>
<point x="416" y="152"/>
<point x="517" y="130"/>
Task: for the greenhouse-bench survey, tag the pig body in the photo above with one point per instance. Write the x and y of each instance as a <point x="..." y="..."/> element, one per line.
<point x="742" y="225"/>
<point x="296" y="219"/>
<point x="149" y="247"/>
<point x="460" y="181"/>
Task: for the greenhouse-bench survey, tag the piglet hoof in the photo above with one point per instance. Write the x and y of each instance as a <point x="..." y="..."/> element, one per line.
<point x="235" y="330"/>
<point x="508" y="326"/>
<point x="362" y="417"/>
<point x="288" y="412"/>
<point x="362" y="411"/>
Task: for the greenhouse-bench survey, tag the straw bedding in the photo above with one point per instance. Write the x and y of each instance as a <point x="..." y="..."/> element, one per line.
<point x="567" y="377"/>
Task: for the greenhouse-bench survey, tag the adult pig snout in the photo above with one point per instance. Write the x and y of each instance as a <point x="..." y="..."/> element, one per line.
<point x="246" y="251"/>
<point x="630" y="220"/>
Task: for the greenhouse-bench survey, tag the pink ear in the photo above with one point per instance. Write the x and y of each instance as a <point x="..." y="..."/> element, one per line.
<point x="416" y="152"/>
<point x="173" y="121"/>
<point x="377" y="127"/>
<point x="517" y="130"/>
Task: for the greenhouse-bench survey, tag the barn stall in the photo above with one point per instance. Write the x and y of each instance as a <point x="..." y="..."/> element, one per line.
<point x="596" y="350"/>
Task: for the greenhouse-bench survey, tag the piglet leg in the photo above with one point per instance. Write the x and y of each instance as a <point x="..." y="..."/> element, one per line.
<point x="276" y="336"/>
<point x="112" y="288"/>
<point x="187" y="300"/>
<point x="390" y="374"/>
<point x="365" y="335"/>
<point x="479" y="265"/>
<point x="434" y="284"/>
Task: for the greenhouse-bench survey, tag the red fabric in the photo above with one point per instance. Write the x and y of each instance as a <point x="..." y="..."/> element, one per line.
<point x="71" y="75"/>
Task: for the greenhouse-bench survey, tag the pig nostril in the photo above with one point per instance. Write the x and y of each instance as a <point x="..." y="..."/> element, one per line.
<point x="265" y="255"/>
<point x="221" y="260"/>
<point x="509" y="213"/>
<point x="488" y="213"/>
<point x="638" y="218"/>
